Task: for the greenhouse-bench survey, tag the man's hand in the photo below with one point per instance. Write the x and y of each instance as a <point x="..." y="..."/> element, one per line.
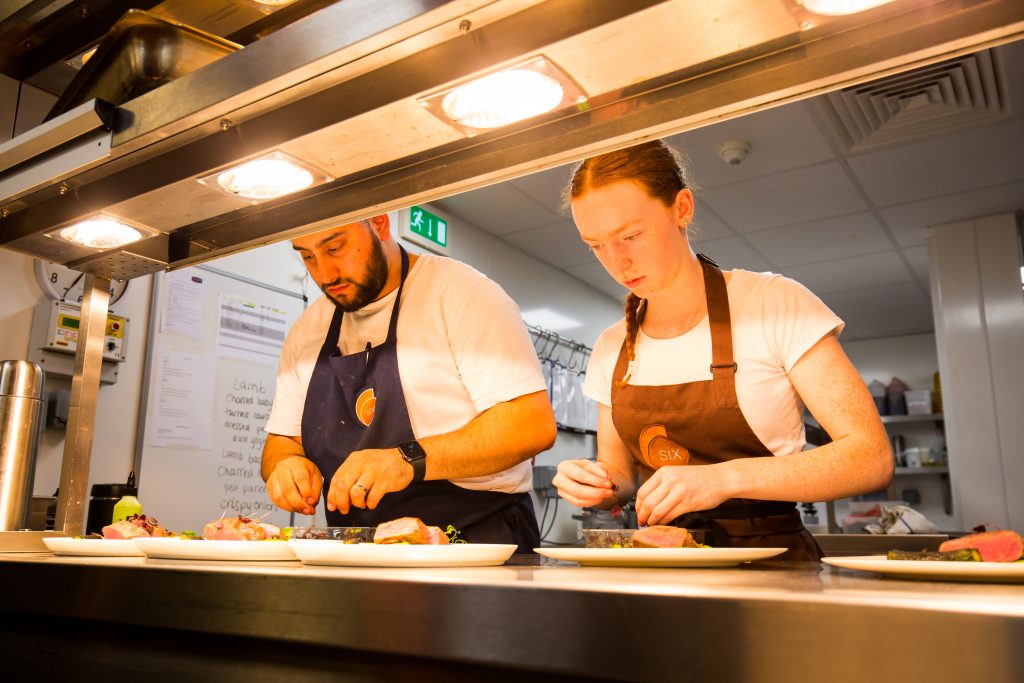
<point x="364" y="478"/>
<point x="295" y="484"/>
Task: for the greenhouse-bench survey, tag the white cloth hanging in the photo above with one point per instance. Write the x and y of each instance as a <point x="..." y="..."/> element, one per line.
<point x="560" y="393"/>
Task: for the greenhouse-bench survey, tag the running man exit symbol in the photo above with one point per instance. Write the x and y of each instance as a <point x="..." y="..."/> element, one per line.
<point x="427" y="225"/>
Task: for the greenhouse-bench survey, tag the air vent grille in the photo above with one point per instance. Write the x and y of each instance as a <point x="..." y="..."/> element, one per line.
<point x="943" y="97"/>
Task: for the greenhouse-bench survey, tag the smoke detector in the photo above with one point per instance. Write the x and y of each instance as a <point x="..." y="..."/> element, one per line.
<point x="734" y="151"/>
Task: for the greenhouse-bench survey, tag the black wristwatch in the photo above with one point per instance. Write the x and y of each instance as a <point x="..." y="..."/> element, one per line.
<point x="414" y="454"/>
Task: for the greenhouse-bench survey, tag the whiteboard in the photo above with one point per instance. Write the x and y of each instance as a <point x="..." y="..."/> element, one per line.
<point x="208" y="387"/>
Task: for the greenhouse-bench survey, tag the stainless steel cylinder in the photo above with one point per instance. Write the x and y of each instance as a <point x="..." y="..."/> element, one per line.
<point x="21" y="414"/>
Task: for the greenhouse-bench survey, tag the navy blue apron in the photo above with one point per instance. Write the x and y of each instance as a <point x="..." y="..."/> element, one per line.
<point x="355" y="402"/>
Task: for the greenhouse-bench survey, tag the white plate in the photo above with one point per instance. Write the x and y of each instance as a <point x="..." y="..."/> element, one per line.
<point x="660" y="557"/>
<point x="179" y="549"/>
<point x="336" y="553"/>
<point x="932" y="570"/>
<point x="94" y="547"/>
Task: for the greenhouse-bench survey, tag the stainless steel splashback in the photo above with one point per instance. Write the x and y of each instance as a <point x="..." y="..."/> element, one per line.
<point x="340" y="90"/>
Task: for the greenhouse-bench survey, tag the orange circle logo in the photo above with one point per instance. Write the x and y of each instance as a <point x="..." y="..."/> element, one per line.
<point x="366" y="405"/>
<point x="657" y="450"/>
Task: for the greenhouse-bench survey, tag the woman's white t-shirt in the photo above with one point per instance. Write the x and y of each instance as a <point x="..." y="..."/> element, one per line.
<point x="775" y="321"/>
<point x="462" y="348"/>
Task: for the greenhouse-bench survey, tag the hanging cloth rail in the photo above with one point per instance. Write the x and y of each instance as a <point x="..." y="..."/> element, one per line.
<point x="563" y="362"/>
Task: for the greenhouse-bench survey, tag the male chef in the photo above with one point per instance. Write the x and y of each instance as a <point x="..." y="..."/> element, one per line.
<point x="411" y="387"/>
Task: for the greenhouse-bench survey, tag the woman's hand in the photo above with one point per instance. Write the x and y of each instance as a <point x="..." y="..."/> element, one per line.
<point x="584" y="483"/>
<point x="674" y="491"/>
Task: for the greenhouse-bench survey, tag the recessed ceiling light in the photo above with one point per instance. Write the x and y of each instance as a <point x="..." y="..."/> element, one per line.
<point x="834" y="8"/>
<point x="268" y="177"/>
<point x="500" y="98"/>
<point x="102" y="232"/>
<point x="547" y="319"/>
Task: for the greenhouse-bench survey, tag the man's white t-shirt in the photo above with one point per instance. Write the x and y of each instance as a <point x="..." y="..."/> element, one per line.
<point x="462" y="348"/>
<point x="775" y="321"/>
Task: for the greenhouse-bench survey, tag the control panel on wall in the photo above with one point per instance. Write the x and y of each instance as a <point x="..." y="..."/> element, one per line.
<point x="55" y="336"/>
<point x="62" y="331"/>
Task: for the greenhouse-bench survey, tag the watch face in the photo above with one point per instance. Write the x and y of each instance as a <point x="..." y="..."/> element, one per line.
<point x="63" y="284"/>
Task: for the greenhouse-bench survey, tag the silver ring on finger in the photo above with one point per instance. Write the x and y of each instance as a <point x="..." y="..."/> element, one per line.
<point x="359" y="484"/>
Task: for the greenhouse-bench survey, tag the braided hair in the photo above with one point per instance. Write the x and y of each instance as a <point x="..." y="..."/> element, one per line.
<point x="657" y="168"/>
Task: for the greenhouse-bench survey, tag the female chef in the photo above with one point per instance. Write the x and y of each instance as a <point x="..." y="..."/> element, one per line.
<point x="702" y="386"/>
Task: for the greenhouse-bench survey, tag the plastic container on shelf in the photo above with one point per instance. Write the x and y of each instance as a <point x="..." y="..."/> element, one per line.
<point x="918" y="402"/>
<point x="917" y="456"/>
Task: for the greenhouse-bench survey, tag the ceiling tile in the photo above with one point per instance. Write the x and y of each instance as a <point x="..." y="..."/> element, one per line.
<point x="558" y="244"/>
<point x="805" y="194"/>
<point x="499" y="209"/>
<point x="781" y="139"/>
<point x="970" y="159"/>
<point x="546" y="186"/>
<point x="825" y="240"/>
<point x="918" y="257"/>
<point x="886" y="268"/>
<point x="887" y="311"/>
<point x="732" y="252"/>
<point x="910" y="222"/>
<point x="597" y="277"/>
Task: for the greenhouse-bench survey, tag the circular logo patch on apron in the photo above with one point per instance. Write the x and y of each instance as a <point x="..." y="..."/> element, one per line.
<point x="366" y="404"/>
<point x="658" y="450"/>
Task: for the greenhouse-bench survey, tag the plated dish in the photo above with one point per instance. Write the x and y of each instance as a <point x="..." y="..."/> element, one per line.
<point x="1009" y="572"/>
<point x="231" y="551"/>
<point x="91" y="547"/>
<point x="660" y="557"/>
<point x="338" y="554"/>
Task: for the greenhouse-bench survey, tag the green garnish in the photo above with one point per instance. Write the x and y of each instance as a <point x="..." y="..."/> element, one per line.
<point x="453" y="534"/>
<point x="286" y="533"/>
<point x="187" y="535"/>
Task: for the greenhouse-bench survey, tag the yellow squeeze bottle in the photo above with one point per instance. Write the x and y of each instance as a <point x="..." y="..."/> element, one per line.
<point x="126" y="507"/>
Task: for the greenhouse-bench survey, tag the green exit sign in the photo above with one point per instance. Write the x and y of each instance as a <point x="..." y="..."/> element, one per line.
<point x="428" y="226"/>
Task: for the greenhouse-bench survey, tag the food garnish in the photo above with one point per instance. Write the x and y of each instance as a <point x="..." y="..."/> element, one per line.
<point x="453" y="534"/>
<point x="962" y="555"/>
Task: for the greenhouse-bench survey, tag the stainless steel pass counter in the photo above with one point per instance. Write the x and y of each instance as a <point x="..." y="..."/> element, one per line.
<point x="174" y="620"/>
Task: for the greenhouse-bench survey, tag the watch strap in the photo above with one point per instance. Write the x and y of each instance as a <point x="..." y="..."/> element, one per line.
<point x="414" y="454"/>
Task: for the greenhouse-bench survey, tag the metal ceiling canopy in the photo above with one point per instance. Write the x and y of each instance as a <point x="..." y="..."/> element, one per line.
<point x="340" y="90"/>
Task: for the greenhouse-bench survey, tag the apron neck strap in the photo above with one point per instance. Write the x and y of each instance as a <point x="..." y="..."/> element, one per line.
<point x="722" y="361"/>
<point x="334" y="331"/>
<point x="393" y="325"/>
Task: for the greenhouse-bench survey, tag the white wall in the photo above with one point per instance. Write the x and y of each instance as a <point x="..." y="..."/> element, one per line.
<point x="979" y="322"/>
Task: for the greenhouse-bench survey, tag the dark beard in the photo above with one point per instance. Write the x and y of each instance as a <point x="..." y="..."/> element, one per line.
<point x="372" y="283"/>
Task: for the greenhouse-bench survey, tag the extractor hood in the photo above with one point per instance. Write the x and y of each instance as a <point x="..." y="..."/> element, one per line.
<point x="346" y="90"/>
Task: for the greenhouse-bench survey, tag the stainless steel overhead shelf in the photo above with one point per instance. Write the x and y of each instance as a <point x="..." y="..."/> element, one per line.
<point x="343" y="89"/>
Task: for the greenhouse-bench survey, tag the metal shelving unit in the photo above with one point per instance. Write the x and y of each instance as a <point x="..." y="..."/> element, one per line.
<point x="817" y="436"/>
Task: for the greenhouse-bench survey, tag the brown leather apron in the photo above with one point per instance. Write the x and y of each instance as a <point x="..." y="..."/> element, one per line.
<point x="700" y="423"/>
